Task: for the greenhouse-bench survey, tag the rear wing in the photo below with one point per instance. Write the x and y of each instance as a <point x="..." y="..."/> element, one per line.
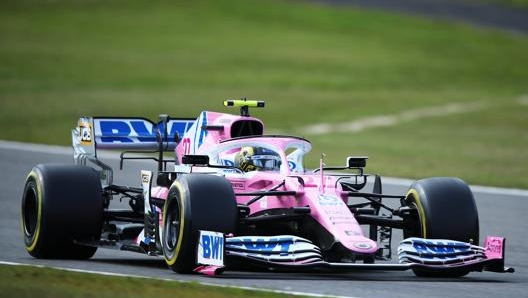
<point x="129" y="133"/>
<point x="93" y="133"/>
<point x="140" y="135"/>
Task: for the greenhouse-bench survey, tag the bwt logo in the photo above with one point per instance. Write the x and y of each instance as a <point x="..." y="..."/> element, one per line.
<point x="439" y="249"/>
<point x="264" y="245"/>
<point x="136" y="130"/>
<point x="326" y="200"/>
<point x="212" y="247"/>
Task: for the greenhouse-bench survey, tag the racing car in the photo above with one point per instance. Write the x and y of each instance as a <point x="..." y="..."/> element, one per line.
<point x="228" y="196"/>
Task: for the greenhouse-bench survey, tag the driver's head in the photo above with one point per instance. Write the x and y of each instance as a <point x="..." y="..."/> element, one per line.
<point x="243" y="159"/>
<point x="257" y="158"/>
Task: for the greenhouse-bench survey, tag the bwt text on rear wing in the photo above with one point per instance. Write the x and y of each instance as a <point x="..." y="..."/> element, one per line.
<point x="129" y="133"/>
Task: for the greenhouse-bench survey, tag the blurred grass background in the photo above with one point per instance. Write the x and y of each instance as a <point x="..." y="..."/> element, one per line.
<point x="30" y="282"/>
<point x="311" y="63"/>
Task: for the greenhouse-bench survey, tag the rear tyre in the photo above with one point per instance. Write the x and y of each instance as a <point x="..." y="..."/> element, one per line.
<point x="61" y="204"/>
<point x="195" y="202"/>
<point x="445" y="209"/>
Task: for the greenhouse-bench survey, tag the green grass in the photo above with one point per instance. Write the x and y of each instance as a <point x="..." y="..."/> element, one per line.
<point x="313" y="64"/>
<point x="24" y="281"/>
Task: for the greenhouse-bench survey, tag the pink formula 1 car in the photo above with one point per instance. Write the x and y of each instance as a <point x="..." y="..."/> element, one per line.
<point x="235" y="197"/>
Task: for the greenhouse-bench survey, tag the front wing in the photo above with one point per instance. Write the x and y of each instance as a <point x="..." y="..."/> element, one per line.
<point x="294" y="253"/>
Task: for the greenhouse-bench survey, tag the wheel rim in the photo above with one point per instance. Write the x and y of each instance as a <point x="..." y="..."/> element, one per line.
<point x="30" y="211"/>
<point x="418" y="226"/>
<point x="172" y="225"/>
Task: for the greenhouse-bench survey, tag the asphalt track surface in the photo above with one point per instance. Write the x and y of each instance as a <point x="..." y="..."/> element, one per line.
<point x="502" y="212"/>
<point x="476" y="13"/>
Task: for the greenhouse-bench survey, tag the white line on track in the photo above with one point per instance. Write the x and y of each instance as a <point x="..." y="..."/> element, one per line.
<point x="362" y="124"/>
<point x="523" y="100"/>
<point x="52" y="149"/>
<point x="295" y="293"/>
<point x="389" y="120"/>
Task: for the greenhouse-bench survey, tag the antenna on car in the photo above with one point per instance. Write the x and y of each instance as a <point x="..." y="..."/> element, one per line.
<point x="244" y="105"/>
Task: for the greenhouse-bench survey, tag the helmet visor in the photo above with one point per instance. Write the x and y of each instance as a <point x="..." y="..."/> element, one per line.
<point x="266" y="162"/>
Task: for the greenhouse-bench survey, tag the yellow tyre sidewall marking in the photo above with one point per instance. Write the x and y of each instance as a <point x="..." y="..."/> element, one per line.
<point x="174" y="258"/>
<point x="414" y="193"/>
<point x="36" y="235"/>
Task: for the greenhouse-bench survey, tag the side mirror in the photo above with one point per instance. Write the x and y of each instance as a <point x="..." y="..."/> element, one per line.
<point x="195" y="160"/>
<point x="356" y="161"/>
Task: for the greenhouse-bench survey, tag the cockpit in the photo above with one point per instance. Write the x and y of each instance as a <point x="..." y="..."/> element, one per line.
<point x="262" y="153"/>
<point x="253" y="158"/>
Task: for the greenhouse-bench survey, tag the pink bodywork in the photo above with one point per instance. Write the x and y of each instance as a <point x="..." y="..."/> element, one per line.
<point x="321" y="193"/>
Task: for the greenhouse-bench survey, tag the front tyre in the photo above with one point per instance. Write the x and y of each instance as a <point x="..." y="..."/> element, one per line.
<point x="195" y="202"/>
<point x="445" y="209"/>
<point x="61" y="204"/>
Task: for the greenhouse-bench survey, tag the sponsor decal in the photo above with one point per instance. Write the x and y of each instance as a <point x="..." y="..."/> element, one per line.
<point x="273" y="244"/>
<point x="343" y="223"/>
<point x="238" y="184"/>
<point x="494" y="246"/>
<point x="327" y="200"/>
<point x="433" y="251"/>
<point x="228" y="163"/>
<point x="211" y="248"/>
<point x="145" y="178"/>
<point x="343" y="218"/>
<point x="438" y="248"/>
<point x="136" y="130"/>
<point x="85" y="131"/>
<point x="224" y="121"/>
<point x="352" y="233"/>
<point x="340" y="212"/>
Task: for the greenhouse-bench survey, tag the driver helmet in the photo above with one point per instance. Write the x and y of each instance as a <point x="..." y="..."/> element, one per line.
<point x="257" y="159"/>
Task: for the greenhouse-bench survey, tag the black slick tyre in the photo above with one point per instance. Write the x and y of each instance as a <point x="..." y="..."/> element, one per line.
<point x="61" y="204"/>
<point x="195" y="202"/>
<point x="445" y="209"/>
